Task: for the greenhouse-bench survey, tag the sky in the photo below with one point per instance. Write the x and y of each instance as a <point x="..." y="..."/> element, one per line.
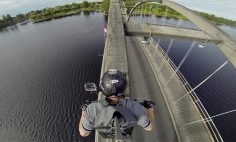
<point x="220" y="8"/>
<point x="14" y="7"/>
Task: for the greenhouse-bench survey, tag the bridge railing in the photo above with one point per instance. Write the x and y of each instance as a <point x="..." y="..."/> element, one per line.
<point x="206" y="119"/>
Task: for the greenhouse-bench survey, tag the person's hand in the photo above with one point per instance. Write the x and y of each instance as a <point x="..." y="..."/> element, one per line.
<point x="84" y="106"/>
<point x="148" y="104"/>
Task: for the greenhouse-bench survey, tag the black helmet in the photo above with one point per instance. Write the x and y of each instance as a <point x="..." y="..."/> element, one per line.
<point x="113" y="83"/>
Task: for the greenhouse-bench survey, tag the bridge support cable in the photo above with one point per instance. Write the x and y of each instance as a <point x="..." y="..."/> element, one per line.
<point x="210" y="118"/>
<point x="144" y="13"/>
<point x="138" y="16"/>
<point x="134" y="15"/>
<point x="150" y="31"/>
<point x="157" y="44"/>
<point x="139" y="13"/>
<point x="186" y="55"/>
<point x="178" y="23"/>
<point x="201" y="82"/>
<point x="166" y="54"/>
<point x="155" y="49"/>
<point x="159" y="39"/>
<point x="141" y="21"/>
<point x="156" y="14"/>
<point x="163" y="23"/>
<point x="150" y="7"/>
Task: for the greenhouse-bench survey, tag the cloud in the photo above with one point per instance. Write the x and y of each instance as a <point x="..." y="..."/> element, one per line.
<point x="14" y="7"/>
<point x="220" y="8"/>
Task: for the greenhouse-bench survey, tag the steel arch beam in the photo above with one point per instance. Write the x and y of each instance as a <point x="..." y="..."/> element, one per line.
<point x="139" y="3"/>
<point x="136" y="5"/>
<point x="228" y="44"/>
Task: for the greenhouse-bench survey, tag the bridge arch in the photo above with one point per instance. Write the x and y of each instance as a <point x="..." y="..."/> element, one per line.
<point x="228" y="44"/>
<point x="139" y="3"/>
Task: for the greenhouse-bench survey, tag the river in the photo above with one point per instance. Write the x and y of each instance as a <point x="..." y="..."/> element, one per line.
<point x="43" y="68"/>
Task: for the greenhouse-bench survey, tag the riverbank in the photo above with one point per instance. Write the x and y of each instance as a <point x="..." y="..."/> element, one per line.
<point x="49" y="13"/>
<point x="62" y="14"/>
<point x="56" y="16"/>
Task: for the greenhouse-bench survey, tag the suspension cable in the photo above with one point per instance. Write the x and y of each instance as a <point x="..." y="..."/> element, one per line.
<point x="201" y="82"/>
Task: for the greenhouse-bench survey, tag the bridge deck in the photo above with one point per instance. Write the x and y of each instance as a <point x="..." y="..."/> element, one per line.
<point x="144" y="80"/>
<point x="182" y="112"/>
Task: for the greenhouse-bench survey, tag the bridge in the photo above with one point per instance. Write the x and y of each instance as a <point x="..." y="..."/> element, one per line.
<point x="179" y="114"/>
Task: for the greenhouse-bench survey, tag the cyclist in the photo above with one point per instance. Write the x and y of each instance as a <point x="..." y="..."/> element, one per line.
<point x="113" y="85"/>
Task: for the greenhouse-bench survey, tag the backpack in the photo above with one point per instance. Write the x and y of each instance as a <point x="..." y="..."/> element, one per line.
<point x="105" y="121"/>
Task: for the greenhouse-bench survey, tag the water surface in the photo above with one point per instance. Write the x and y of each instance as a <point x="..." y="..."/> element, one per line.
<point x="43" y="68"/>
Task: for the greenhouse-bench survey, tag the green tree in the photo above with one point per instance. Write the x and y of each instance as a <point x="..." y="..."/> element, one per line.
<point x="85" y="4"/>
<point x="32" y="17"/>
<point x="4" y="18"/>
<point x="91" y="5"/>
<point x="105" y="5"/>
<point x="132" y="3"/>
<point x="9" y="17"/>
<point x="38" y="16"/>
<point x="79" y="6"/>
<point x="3" y="24"/>
<point x="97" y="6"/>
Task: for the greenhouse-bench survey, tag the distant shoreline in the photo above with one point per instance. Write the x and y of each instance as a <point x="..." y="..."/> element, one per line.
<point x="57" y="12"/>
<point x="50" y="13"/>
<point x="77" y="12"/>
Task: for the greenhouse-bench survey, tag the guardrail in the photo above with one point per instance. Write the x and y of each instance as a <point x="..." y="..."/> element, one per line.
<point x="206" y="119"/>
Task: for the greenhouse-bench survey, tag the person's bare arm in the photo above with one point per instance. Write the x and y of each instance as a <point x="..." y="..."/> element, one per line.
<point x="81" y="131"/>
<point x="149" y="105"/>
<point x="151" y="117"/>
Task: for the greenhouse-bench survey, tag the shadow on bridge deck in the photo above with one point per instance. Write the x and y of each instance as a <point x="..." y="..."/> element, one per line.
<point x="146" y="79"/>
<point x="142" y="83"/>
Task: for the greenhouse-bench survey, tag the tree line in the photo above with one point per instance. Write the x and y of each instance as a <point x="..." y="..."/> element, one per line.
<point x="7" y="20"/>
<point x="62" y="11"/>
<point x="218" y="20"/>
<point x="75" y="8"/>
<point x="50" y="13"/>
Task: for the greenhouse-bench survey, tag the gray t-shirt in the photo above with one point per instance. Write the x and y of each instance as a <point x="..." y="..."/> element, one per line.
<point x="93" y="109"/>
